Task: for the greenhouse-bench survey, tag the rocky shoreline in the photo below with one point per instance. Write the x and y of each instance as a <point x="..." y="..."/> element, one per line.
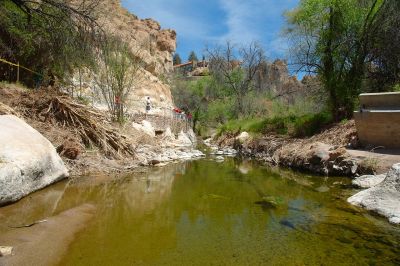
<point x="324" y="154"/>
<point x="382" y="195"/>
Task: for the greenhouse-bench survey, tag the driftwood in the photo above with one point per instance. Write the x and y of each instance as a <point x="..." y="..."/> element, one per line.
<point x="29" y="225"/>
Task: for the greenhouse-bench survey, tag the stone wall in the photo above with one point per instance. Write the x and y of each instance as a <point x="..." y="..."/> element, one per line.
<point x="378" y="121"/>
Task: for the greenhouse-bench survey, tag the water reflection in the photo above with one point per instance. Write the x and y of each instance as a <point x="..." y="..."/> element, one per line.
<point x="203" y="212"/>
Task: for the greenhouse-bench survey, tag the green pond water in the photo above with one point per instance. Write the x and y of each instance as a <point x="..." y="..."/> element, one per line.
<point x="208" y="213"/>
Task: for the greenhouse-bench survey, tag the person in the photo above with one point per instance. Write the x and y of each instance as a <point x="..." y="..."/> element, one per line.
<point x="148" y="104"/>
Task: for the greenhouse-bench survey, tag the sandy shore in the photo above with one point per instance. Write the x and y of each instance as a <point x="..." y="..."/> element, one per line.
<point x="46" y="243"/>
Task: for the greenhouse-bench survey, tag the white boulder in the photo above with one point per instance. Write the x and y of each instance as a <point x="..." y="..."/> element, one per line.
<point x="368" y="181"/>
<point x="192" y="136"/>
<point x="384" y="198"/>
<point x="184" y="140"/>
<point x="145" y="127"/>
<point x="28" y="161"/>
<point x="243" y="137"/>
<point x="168" y="135"/>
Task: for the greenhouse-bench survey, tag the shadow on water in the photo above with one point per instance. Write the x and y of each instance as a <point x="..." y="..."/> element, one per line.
<point x="203" y="212"/>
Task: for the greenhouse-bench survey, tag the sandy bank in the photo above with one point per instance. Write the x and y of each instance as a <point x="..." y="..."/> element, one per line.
<point x="45" y="243"/>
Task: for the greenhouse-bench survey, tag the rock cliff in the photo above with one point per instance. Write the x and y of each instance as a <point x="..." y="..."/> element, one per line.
<point x="155" y="44"/>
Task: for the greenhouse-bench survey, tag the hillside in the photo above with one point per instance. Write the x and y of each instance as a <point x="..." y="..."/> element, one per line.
<point x="155" y="46"/>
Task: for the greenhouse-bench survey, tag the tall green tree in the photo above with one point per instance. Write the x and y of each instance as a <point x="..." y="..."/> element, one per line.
<point x="177" y="59"/>
<point x="192" y="57"/>
<point x="331" y="38"/>
<point x="384" y="49"/>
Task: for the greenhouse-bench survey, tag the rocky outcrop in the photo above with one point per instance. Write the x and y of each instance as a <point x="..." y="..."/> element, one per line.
<point x="28" y="161"/>
<point x="368" y="181"/>
<point x="383" y="198"/>
<point x="148" y="41"/>
<point x="157" y="44"/>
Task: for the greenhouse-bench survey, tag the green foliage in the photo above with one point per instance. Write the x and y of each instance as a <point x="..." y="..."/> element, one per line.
<point x="295" y="126"/>
<point x="193" y="57"/>
<point x="45" y="41"/>
<point x="177" y="59"/>
<point x="309" y="125"/>
<point x="332" y="38"/>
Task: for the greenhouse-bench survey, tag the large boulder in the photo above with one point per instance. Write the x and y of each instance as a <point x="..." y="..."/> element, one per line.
<point x="145" y="127"/>
<point x="368" y="181"/>
<point x="28" y="161"/>
<point x="183" y="140"/>
<point x="384" y="198"/>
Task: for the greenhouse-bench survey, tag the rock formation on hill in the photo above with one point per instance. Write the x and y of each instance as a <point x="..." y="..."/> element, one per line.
<point x="156" y="46"/>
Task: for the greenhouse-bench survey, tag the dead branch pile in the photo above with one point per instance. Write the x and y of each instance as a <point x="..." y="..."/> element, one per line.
<point x="92" y="127"/>
<point x="50" y="109"/>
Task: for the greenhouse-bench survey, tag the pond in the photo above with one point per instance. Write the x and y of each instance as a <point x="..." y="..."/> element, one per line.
<point x="217" y="213"/>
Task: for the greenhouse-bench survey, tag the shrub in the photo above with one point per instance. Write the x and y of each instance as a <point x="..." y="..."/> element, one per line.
<point x="296" y="126"/>
<point x="309" y="125"/>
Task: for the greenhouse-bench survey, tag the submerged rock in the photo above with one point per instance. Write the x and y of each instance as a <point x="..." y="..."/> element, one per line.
<point x="28" y="161"/>
<point x="5" y="251"/>
<point x="384" y="198"/>
<point x="219" y="158"/>
<point x="287" y="223"/>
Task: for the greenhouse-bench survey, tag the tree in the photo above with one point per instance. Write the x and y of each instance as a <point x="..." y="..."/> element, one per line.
<point x="384" y="49"/>
<point x="47" y="35"/>
<point x="237" y="69"/>
<point x="118" y="74"/>
<point x="193" y="57"/>
<point x="177" y="59"/>
<point x="331" y="38"/>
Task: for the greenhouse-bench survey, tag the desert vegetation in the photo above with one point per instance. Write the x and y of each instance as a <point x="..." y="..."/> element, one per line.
<point x="342" y="48"/>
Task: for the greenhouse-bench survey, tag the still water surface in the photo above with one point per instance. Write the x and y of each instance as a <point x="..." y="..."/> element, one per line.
<point x="230" y="213"/>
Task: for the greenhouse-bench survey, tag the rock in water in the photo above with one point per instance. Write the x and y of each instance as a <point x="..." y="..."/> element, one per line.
<point x="5" y="251"/>
<point x="28" y="161"/>
<point x="368" y="181"/>
<point x="384" y="198"/>
<point x="287" y="223"/>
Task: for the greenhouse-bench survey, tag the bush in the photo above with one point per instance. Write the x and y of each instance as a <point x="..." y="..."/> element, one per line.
<point x="295" y="126"/>
<point x="309" y="125"/>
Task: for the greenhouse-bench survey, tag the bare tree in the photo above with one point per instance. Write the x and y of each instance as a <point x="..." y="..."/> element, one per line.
<point x="80" y="11"/>
<point x="118" y="75"/>
<point x="237" y="68"/>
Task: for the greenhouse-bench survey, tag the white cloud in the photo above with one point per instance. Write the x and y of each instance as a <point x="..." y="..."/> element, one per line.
<point x="240" y="21"/>
<point x="256" y="20"/>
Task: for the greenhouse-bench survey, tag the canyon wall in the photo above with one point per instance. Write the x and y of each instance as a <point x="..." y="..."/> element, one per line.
<point x="152" y="44"/>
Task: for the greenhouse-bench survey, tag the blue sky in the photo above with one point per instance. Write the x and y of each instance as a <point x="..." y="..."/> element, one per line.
<point x="199" y="23"/>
